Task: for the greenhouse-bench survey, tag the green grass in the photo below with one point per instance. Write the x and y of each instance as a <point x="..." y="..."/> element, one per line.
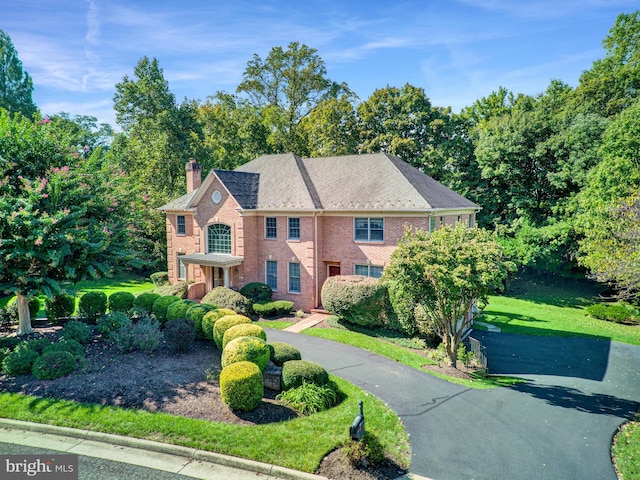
<point x="626" y="451"/>
<point x="553" y="308"/>
<point x="122" y="283"/>
<point x="300" y="443"/>
<point x="275" y="324"/>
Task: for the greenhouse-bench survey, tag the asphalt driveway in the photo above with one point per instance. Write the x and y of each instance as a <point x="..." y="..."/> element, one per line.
<point x="557" y="425"/>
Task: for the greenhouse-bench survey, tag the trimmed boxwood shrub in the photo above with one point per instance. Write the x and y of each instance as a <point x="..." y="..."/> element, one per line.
<point x="257" y="292"/>
<point x="357" y="299"/>
<point x="37" y="344"/>
<point x="12" y="308"/>
<point x="210" y="318"/>
<point x="159" y="278"/>
<point x="295" y="372"/>
<point x="224" y="297"/>
<point x="145" y="300"/>
<point x="60" y="306"/>
<point x="53" y="364"/>
<point x="180" y="334"/>
<point x="282" y="352"/>
<point x="241" y="386"/>
<point x="76" y="330"/>
<point x="20" y="361"/>
<point x="275" y="308"/>
<point x="178" y="289"/>
<point x="72" y="346"/>
<point x="121" y="301"/>
<point x="243" y="330"/>
<point x="161" y="305"/>
<point x="225" y="323"/>
<point x="249" y="349"/>
<point x="179" y="309"/>
<point x="196" y="313"/>
<point x="92" y="305"/>
<point x="112" y="321"/>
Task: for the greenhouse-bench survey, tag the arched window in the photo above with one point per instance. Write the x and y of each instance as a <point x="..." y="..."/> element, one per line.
<point x="219" y="236"/>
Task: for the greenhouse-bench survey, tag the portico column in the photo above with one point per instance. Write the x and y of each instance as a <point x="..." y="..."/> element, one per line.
<point x="225" y="276"/>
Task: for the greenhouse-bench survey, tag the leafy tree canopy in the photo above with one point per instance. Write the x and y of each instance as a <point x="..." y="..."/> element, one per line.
<point x="443" y="274"/>
<point x="16" y="86"/>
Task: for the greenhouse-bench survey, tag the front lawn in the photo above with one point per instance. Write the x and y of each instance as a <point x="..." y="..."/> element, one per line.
<point x="299" y="444"/>
<point x="122" y="283"/>
<point x="553" y="308"/>
<point x="626" y="450"/>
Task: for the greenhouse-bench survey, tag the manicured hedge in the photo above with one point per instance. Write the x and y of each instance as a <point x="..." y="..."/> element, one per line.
<point x="223" y="324"/>
<point x="146" y="300"/>
<point x="241" y="386"/>
<point x="257" y="292"/>
<point x="224" y="297"/>
<point x="296" y="372"/>
<point x="282" y="352"/>
<point x="243" y="330"/>
<point x="357" y="299"/>
<point x="121" y="301"/>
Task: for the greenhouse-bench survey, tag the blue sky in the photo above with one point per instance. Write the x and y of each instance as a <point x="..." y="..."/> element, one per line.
<point x="457" y="50"/>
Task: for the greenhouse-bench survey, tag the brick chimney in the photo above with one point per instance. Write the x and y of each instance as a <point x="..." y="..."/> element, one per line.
<point x="194" y="175"/>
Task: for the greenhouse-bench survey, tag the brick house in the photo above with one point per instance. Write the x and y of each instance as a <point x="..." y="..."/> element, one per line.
<point x="291" y="222"/>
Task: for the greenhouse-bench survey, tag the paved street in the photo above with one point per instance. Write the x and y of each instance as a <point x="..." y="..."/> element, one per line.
<point x="557" y="425"/>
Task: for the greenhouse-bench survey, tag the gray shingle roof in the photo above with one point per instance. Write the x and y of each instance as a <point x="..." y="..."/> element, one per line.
<point x="179" y="204"/>
<point x="376" y="181"/>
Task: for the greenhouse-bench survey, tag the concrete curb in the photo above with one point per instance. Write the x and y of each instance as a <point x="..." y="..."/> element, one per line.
<point x="163" y="448"/>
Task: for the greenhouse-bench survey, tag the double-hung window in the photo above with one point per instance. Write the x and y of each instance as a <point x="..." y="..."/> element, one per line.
<point x="369" y="229"/>
<point x="369" y="270"/>
<point x="294" y="228"/>
<point x="271" y="227"/>
<point x="294" y="278"/>
<point x="181" y="225"/>
<point x="432" y="224"/>
<point x="271" y="274"/>
<point x="182" y="270"/>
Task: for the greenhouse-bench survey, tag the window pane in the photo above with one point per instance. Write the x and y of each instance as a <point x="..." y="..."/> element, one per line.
<point x="219" y="238"/>
<point x="375" y="272"/>
<point x="294" y="229"/>
<point x="182" y="229"/>
<point x="182" y="270"/>
<point x="362" y="270"/>
<point x="272" y="274"/>
<point x="377" y="229"/>
<point x="271" y="230"/>
<point x="362" y="229"/>
<point x="294" y="277"/>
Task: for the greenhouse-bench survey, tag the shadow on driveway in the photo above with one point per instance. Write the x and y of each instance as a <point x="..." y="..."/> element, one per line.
<point x="509" y="354"/>
<point x="567" y="397"/>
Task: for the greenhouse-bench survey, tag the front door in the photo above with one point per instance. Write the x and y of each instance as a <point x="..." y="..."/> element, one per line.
<point x="334" y="270"/>
<point x="218" y="277"/>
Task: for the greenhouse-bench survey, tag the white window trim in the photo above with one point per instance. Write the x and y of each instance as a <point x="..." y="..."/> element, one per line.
<point x="265" y="229"/>
<point x="186" y="271"/>
<point x="289" y="230"/>
<point x="289" y="278"/>
<point x="266" y="274"/>
<point x="368" y="230"/>
<point x="368" y="267"/>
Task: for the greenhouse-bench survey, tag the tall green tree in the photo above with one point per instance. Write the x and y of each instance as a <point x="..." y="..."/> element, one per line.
<point x="16" y="86"/>
<point x="332" y="127"/>
<point x="613" y="82"/>
<point x="234" y="132"/>
<point x="402" y="122"/>
<point x="158" y="138"/>
<point x="443" y="274"/>
<point x="607" y="218"/>
<point x="286" y="86"/>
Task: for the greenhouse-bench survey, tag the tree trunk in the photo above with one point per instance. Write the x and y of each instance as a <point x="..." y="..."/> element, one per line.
<point x="452" y="351"/>
<point x="24" y="315"/>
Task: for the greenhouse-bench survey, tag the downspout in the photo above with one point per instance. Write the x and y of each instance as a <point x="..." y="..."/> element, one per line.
<point x="315" y="256"/>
